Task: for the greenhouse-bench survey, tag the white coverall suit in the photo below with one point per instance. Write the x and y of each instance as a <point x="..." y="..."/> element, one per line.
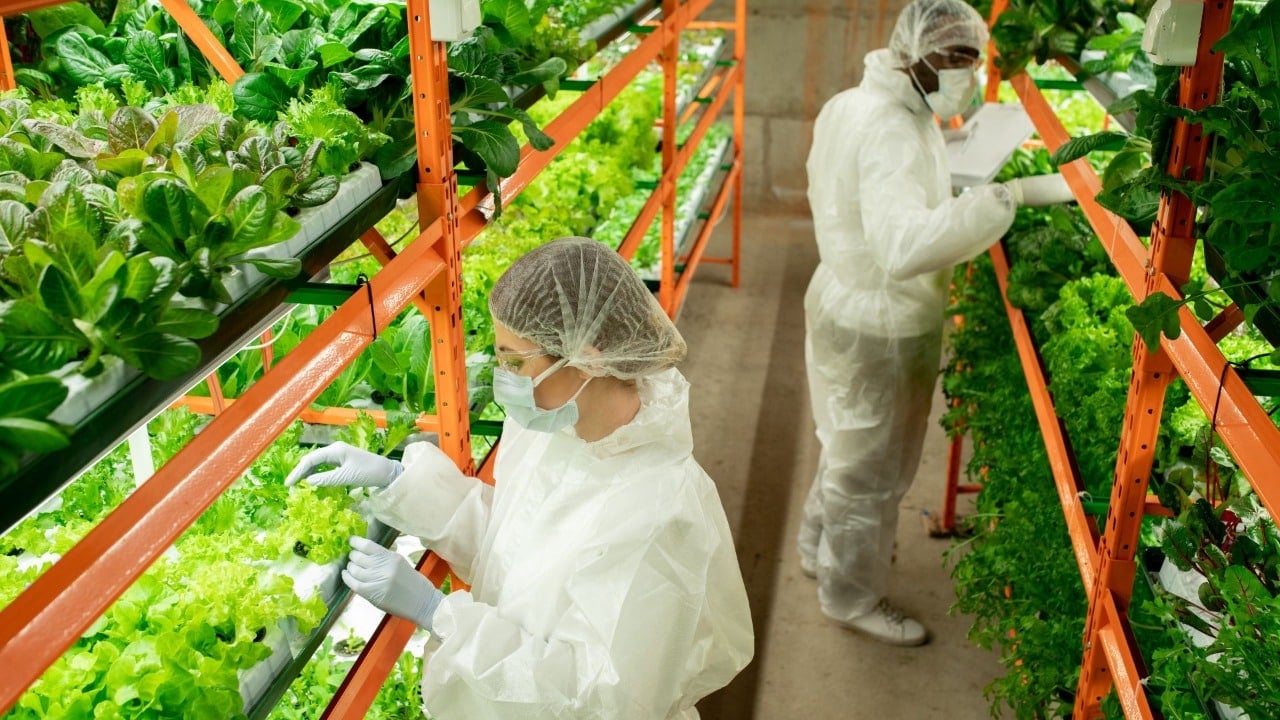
<point x="889" y="232"/>
<point x="604" y="582"/>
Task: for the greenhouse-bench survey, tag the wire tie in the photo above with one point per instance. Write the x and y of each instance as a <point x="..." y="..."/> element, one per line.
<point x="363" y="279"/>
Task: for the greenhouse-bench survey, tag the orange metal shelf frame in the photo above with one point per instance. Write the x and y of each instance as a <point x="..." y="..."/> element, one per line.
<point x="47" y="618"/>
<point x="476" y="205"/>
<point x="1066" y="476"/>
<point x="1111" y="658"/>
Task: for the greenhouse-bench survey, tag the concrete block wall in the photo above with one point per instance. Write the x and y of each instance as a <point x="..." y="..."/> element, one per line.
<point x="799" y="54"/>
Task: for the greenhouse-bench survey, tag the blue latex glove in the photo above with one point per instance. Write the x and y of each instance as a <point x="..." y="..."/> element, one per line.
<point x="390" y="583"/>
<point x="356" y="468"/>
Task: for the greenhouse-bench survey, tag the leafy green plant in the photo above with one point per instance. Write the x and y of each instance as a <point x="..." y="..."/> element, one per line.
<point x="1235" y="548"/>
<point x="174" y="644"/>
<point x="1037" y="30"/>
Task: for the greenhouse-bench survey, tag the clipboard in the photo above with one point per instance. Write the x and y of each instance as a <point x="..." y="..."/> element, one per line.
<point x="995" y="131"/>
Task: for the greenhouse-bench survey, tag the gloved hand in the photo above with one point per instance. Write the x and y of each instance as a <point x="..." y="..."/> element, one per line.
<point x="356" y="468"/>
<point x="389" y="582"/>
<point x="951" y="135"/>
<point x="1040" y="190"/>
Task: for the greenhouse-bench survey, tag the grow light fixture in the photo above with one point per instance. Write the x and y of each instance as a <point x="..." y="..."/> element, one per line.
<point x="1173" y="32"/>
<point x="453" y="20"/>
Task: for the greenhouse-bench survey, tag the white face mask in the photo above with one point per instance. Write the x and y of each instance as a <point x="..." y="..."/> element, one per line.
<point x="956" y="90"/>
<point x="515" y="394"/>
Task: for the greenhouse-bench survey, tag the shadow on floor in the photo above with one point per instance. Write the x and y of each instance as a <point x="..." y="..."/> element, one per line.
<point x="781" y="419"/>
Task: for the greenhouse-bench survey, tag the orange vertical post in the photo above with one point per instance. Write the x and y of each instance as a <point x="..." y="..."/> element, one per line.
<point x="667" y="185"/>
<point x="218" y="397"/>
<point x="1172" y="247"/>
<point x="7" y="79"/>
<point x="739" y="125"/>
<point x="438" y="199"/>
<point x="442" y="301"/>
<point x="993" y="74"/>
<point x="268" y="353"/>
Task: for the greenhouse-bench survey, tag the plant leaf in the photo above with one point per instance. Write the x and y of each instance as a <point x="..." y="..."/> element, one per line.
<point x="493" y="142"/>
<point x="260" y="96"/>
<point x="130" y="127"/>
<point x="159" y="355"/>
<point x="282" y="268"/>
<point x="83" y="63"/>
<point x="60" y="294"/>
<point x="250" y="213"/>
<point x="194" y="119"/>
<point x="187" y="322"/>
<point x="252" y="35"/>
<point x="13" y="223"/>
<point x="35" y="342"/>
<point x="126" y="164"/>
<point x="318" y="192"/>
<point x="68" y="140"/>
<point x="215" y="187"/>
<point x="1246" y="202"/>
<point x="550" y="69"/>
<point x="33" y="397"/>
<point x="1076" y="148"/>
<point x="332" y="53"/>
<point x="35" y="436"/>
<point x="478" y="91"/>
<point x="145" y="56"/>
<point x="1156" y="315"/>
<point x="284" y="13"/>
<point x="538" y="139"/>
<point x="170" y="207"/>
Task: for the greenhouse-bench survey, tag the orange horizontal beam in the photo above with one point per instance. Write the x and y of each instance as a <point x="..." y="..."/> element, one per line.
<point x="704" y="235"/>
<point x="1224" y="322"/>
<point x="1154" y="507"/>
<point x="315" y="416"/>
<point x="50" y="615"/>
<point x="729" y="82"/>
<point x="1121" y="242"/>
<point x="1083" y="532"/>
<point x="644" y="220"/>
<point x="1244" y="426"/>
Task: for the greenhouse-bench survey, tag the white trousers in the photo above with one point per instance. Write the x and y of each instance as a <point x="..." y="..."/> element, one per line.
<point x="871" y="398"/>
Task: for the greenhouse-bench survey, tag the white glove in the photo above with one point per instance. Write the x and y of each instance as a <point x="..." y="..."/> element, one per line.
<point x="951" y="135"/>
<point x="356" y="468"/>
<point x="1040" y="190"/>
<point x="389" y="582"/>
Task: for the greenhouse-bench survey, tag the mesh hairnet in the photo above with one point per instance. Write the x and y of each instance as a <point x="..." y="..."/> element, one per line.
<point x="579" y="300"/>
<point x="927" y="26"/>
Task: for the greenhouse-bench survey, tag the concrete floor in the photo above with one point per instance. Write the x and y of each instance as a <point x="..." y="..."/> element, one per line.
<point x="754" y="435"/>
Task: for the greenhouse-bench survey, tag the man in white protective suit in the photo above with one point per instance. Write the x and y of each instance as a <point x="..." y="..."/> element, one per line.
<point x="604" y="582"/>
<point x="889" y="232"/>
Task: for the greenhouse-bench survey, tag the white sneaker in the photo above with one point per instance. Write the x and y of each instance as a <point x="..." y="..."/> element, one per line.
<point x="890" y="626"/>
<point x="808" y="567"/>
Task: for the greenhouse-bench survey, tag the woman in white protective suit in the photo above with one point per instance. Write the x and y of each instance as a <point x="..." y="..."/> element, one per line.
<point x="888" y="232"/>
<point x="604" y="582"/>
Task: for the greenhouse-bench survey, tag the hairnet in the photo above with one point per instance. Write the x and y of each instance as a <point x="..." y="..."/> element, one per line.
<point x="927" y="26"/>
<point x="579" y="300"/>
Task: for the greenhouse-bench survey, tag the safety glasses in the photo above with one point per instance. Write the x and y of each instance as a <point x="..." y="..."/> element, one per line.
<point x="513" y="361"/>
